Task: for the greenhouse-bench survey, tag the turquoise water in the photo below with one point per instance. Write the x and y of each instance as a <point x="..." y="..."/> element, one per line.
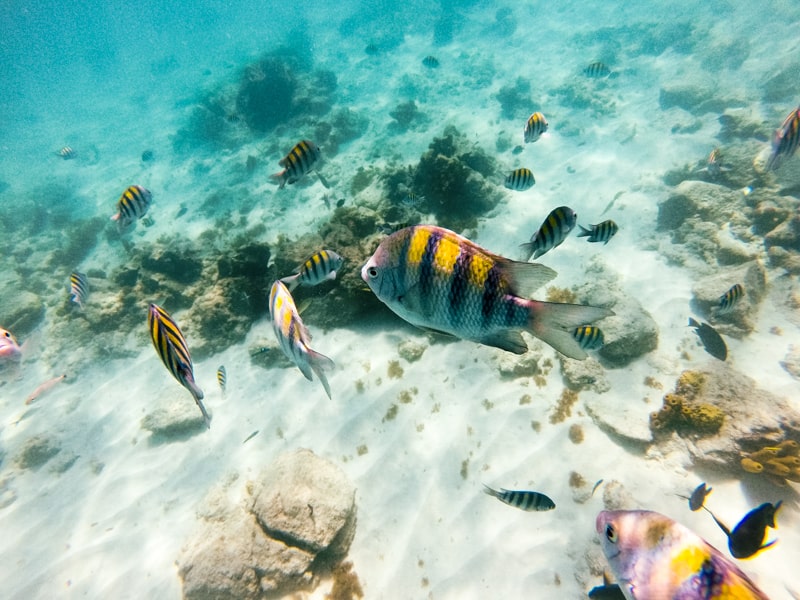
<point x="199" y="103"/>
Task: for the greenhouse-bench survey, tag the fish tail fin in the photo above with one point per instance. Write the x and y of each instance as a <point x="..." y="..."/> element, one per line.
<point x="197" y="394"/>
<point x="280" y="177"/>
<point x="490" y="491"/>
<point x="693" y="323"/>
<point x="554" y="323"/>
<point x="320" y="363"/>
<point x="526" y="251"/>
<point x="291" y="281"/>
<point x="584" y="232"/>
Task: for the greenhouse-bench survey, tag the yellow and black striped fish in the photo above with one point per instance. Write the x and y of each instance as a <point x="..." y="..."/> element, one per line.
<point x="438" y="280"/>
<point x="78" y="288"/>
<point x="597" y="70"/>
<point x="523" y="500"/>
<point x="222" y="378"/>
<point x="589" y="337"/>
<point x="322" y="266"/>
<point x="132" y="205"/>
<point x="602" y="232"/>
<point x="730" y="298"/>
<point x="520" y="180"/>
<point x="301" y="160"/>
<point x="714" y="163"/>
<point x="293" y="337"/>
<point x="535" y="127"/>
<point x="785" y="140"/>
<point x="551" y="233"/>
<point x="171" y="348"/>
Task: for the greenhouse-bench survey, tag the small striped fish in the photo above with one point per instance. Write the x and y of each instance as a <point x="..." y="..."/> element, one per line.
<point x="78" y="288"/>
<point x="520" y="180"/>
<point x="222" y="378"/>
<point x="602" y="232"/>
<point x="522" y="499"/>
<point x="597" y="70"/>
<point x="67" y="153"/>
<point x="322" y="266"/>
<point x="535" y="127"/>
<point x="171" y="348"/>
<point x="785" y="140"/>
<point x="430" y="61"/>
<point x="589" y="337"/>
<point x="714" y="163"/>
<point x="551" y="233"/>
<point x="440" y="281"/>
<point x="293" y="337"/>
<point x="300" y="161"/>
<point x="730" y="298"/>
<point x="132" y="205"/>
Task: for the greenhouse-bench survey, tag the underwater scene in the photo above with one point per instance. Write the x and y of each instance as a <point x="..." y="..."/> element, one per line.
<point x="436" y="300"/>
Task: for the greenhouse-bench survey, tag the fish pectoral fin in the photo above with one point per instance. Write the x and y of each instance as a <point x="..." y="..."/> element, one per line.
<point x="323" y="181"/>
<point x="436" y="331"/>
<point x="509" y="340"/>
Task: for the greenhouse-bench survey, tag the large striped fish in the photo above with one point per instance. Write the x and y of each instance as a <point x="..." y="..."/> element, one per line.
<point x="652" y="557"/>
<point x="436" y="279"/>
<point x="171" y="348"/>
<point x="293" y="336"/>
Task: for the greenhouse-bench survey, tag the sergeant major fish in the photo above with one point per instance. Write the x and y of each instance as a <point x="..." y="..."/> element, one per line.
<point x="293" y="337"/>
<point x="535" y="126"/>
<point x="589" y="337"/>
<point x="437" y="280"/>
<point x="78" y="288"/>
<point x="322" y="266"/>
<point x="132" y="205"/>
<point x="171" y="348"/>
<point x="602" y="232"/>
<point x="303" y="158"/>
<point x="552" y="232"/>
<point x="67" y="153"/>
<point x="730" y="298"/>
<point x="523" y="500"/>
<point x="653" y="557"/>
<point x="520" y="180"/>
<point x="597" y="70"/>
<point x="222" y="378"/>
<point x="785" y="140"/>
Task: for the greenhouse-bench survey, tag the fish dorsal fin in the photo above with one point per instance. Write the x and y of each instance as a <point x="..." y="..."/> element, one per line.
<point x="525" y="278"/>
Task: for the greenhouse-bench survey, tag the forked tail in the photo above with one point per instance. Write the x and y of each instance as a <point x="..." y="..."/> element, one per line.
<point x="554" y="324"/>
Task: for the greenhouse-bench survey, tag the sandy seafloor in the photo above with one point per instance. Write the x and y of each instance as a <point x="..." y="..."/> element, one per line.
<point x="424" y="528"/>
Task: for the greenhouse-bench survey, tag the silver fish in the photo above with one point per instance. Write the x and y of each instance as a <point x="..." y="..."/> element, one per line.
<point x="293" y="337"/>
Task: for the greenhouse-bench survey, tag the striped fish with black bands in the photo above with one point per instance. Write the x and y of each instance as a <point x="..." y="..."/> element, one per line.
<point x="730" y="298"/>
<point x="551" y="233"/>
<point x="535" y="126"/>
<point x="440" y="281"/>
<point x="785" y="140"/>
<point x="174" y="353"/>
<point x="132" y="205"/>
<point x="304" y="157"/>
<point x="293" y="337"/>
<point x="589" y="337"/>
<point x="602" y="232"/>
<point x="524" y="500"/>
<point x="320" y="267"/>
<point x="222" y="378"/>
<point x="520" y="180"/>
<point x="78" y="288"/>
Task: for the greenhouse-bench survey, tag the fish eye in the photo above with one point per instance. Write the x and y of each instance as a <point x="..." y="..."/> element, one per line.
<point x="372" y="272"/>
<point x="611" y="534"/>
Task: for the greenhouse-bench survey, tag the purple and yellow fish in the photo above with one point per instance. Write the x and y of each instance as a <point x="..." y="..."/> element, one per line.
<point x="293" y="337"/>
<point x="437" y="280"/>
<point x="654" y="557"/>
<point x="10" y="351"/>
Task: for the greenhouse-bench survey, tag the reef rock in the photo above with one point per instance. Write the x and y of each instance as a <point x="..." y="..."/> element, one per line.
<point x="296" y="525"/>
<point x="22" y="310"/>
<point x="177" y="418"/>
<point x="745" y="418"/>
<point x="632" y="331"/>
<point x="739" y="320"/>
<point x="36" y="451"/>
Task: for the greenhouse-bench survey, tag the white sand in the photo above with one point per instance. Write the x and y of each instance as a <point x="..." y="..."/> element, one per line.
<point x="424" y="530"/>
